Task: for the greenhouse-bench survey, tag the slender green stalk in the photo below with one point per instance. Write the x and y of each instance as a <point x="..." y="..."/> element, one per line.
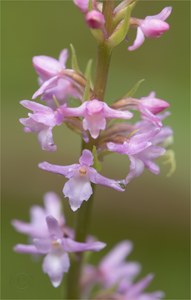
<point x="104" y="56"/>
<point x="84" y="213"/>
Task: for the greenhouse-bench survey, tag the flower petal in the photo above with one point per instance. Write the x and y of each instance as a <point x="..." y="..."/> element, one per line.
<point x="67" y="171"/>
<point x="77" y="189"/>
<point x="50" y="83"/>
<point x="117" y="255"/>
<point x="53" y="206"/>
<point x="139" y="286"/>
<point x="28" y="249"/>
<point x="23" y="227"/>
<point x="136" y="168"/>
<point x="43" y="245"/>
<point x="45" y="138"/>
<point x="70" y="245"/>
<point x="36" y="107"/>
<point x="94" y="124"/>
<point x="55" y="264"/>
<point x="53" y="228"/>
<point x="63" y="58"/>
<point x="82" y="5"/>
<point x="114" y="113"/>
<point x="46" y="66"/>
<point x="86" y="158"/>
<point x="97" y="178"/>
<point x="163" y="15"/>
<point x="138" y="41"/>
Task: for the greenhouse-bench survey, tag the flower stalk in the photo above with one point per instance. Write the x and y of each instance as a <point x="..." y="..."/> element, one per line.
<point x="84" y="214"/>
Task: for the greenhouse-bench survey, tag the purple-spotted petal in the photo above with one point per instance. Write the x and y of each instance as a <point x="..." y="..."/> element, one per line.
<point x="55" y="264"/>
<point x="86" y="158"/>
<point x="138" y="41"/>
<point x="77" y="189"/>
<point x="70" y="245"/>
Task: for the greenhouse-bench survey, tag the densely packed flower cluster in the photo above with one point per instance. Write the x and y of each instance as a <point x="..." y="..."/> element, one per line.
<point x="104" y="129"/>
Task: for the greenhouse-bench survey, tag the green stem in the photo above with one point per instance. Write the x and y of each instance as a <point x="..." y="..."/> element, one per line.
<point x="104" y="53"/>
<point x="84" y="213"/>
<point x="104" y="56"/>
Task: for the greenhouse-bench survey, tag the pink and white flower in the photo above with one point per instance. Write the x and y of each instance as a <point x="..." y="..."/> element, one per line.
<point x="37" y="228"/>
<point x="78" y="187"/>
<point x="55" y="249"/>
<point x="42" y="121"/>
<point x="53" y="83"/>
<point x="112" y="268"/>
<point x="95" y="113"/>
<point x="151" y="27"/>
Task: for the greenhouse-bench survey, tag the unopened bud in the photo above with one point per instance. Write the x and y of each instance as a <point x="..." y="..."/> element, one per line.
<point x="95" y="19"/>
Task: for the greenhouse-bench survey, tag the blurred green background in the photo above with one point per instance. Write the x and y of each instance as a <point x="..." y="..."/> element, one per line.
<point x="154" y="211"/>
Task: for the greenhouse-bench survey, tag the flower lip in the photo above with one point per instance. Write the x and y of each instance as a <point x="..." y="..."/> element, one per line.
<point x="94" y="107"/>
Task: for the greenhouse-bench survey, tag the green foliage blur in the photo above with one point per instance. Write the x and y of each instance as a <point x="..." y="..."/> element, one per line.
<point x="154" y="211"/>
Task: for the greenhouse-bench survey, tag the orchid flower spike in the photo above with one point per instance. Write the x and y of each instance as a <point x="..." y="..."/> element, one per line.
<point x="151" y="27"/>
<point x="55" y="248"/>
<point x="78" y="187"/>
